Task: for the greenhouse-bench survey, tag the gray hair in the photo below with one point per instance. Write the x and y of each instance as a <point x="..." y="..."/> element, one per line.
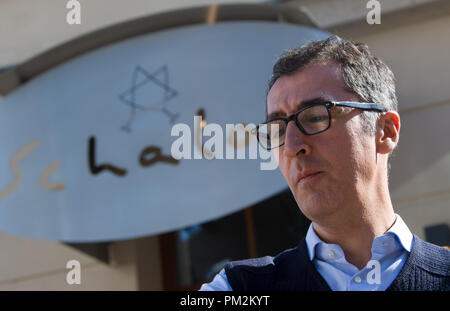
<point x="364" y="74"/>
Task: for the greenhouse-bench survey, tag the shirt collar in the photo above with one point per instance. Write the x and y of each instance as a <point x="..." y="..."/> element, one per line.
<point x="311" y="241"/>
<point x="399" y="229"/>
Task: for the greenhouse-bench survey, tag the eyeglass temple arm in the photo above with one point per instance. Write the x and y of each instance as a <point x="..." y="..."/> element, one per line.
<point x="365" y="106"/>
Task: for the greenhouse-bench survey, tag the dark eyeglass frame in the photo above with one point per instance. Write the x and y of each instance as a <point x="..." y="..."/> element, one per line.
<point x="328" y="105"/>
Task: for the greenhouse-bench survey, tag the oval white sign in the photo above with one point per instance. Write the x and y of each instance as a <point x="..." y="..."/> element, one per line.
<point x="87" y="145"/>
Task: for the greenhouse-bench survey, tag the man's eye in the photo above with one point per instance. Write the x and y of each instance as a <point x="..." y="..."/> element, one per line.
<point x="277" y="134"/>
<point x="317" y="119"/>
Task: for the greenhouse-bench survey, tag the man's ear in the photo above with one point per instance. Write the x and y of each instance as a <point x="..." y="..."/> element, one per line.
<point x="388" y="132"/>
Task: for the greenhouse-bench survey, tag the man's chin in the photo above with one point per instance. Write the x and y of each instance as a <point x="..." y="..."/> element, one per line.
<point x="312" y="202"/>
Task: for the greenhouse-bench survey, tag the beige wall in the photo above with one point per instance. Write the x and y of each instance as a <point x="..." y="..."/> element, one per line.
<point x="27" y="264"/>
<point x="31" y="27"/>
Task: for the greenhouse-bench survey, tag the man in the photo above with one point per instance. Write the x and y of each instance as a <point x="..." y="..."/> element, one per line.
<point x="333" y="120"/>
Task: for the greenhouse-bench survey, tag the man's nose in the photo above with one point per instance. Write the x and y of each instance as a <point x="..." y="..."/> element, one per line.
<point x="294" y="142"/>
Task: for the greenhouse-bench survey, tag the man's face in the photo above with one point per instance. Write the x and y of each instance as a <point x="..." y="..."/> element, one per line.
<point x="344" y="157"/>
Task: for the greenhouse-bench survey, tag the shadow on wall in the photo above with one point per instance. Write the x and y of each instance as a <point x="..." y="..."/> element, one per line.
<point x="423" y="143"/>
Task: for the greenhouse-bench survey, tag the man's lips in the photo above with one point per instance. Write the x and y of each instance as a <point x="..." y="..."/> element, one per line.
<point x="307" y="175"/>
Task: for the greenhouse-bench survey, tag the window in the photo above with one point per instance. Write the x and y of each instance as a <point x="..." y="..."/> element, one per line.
<point x="192" y="256"/>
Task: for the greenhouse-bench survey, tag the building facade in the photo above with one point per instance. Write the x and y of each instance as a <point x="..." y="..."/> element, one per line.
<point x="412" y="38"/>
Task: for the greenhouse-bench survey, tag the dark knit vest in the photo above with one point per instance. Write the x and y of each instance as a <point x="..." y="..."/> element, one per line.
<point x="426" y="269"/>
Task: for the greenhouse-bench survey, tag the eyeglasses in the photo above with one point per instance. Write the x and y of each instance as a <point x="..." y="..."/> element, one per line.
<point x="310" y="120"/>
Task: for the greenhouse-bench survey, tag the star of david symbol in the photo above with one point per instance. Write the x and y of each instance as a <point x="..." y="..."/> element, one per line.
<point x="155" y="89"/>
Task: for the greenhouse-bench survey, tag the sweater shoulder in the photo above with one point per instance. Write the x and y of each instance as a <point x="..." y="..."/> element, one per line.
<point x="261" y="265"/>
<point x="261" y="273"/>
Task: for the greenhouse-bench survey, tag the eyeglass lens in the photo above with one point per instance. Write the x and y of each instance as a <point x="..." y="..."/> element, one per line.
<point x="313" y="120"/>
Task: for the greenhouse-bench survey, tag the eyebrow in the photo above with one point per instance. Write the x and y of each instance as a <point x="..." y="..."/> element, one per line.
<point x="306" y="103"/>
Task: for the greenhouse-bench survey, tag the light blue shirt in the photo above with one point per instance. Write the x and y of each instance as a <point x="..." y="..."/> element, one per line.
<point x="389" y="254"/>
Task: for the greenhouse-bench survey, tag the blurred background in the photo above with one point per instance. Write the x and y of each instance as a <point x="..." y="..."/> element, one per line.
<point x="38" y="45"/>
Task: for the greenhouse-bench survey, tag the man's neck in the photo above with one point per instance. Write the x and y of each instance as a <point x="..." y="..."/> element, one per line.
<point x="355" y="233"/>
